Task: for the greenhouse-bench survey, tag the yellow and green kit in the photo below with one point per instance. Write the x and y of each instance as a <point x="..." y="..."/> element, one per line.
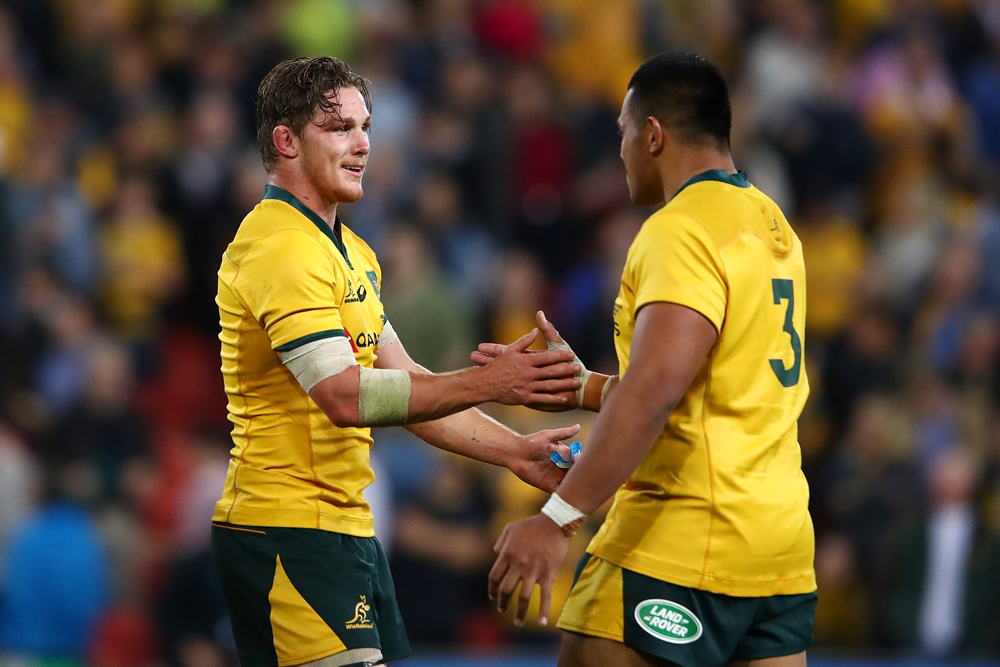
<point x="720" y="503"/>
<point x="293" y="535"/>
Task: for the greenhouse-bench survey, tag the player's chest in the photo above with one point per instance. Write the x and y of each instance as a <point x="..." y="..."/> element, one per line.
<point x="356" y="291"/>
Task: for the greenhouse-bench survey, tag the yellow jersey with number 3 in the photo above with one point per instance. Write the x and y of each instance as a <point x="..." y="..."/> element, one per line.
<point x="288" y="279"/>
<point x="720" y="502"/>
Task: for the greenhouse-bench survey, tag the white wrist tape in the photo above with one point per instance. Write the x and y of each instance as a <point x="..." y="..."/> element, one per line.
<point x="314" y="362"/>
<point x="607" y="386"/>
<point x="383" y="397"/>
<point x="561" y="511"/>
<point x="387" y="337"/>
<point x="582" y="376"/>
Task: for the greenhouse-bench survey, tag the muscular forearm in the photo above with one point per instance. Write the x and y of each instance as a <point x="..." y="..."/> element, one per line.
<point x="625" y="430"/>
<point x="469" y="433"/>
<point x="430" y="396"/>
<point x="434" y="396"/>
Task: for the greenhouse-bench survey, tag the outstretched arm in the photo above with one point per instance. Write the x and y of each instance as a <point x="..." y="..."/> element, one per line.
<point x="476" y="435"/>
<point x="395" y="395"/>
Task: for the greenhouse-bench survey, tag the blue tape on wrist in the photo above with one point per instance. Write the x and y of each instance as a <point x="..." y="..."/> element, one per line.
<point x="574" y="451"/>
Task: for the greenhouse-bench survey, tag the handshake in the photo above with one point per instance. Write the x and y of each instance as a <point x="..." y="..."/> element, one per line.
<point x="553" y="380"/>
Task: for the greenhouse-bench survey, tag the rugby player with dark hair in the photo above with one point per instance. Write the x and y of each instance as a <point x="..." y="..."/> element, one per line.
<point x="706" y="556"/>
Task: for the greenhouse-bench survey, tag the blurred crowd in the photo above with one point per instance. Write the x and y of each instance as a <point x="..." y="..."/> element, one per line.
<point x="494" y="189"/>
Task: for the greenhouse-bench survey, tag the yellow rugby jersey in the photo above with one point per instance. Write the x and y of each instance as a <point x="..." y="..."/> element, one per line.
<point x="288" y="279"/>
<point x="720" y="502"/>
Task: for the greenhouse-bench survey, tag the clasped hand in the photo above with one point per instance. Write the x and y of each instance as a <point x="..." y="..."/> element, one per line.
<point x="554" y="400"/>
<point x="517" y="376"/>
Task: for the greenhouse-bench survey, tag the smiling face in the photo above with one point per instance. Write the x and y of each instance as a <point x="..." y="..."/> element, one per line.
<point x="644" y="186"/>
<point x="334" y="150"/>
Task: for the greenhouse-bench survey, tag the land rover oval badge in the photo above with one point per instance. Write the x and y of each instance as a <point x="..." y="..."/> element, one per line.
<point x="668" y="621"/>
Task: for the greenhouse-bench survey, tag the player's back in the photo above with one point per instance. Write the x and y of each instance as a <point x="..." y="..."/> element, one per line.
<point x="720" y="502"/>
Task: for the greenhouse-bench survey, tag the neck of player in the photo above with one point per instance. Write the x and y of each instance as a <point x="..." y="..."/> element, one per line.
<point x="302" y="189"/>
<point x="681" y="163"/>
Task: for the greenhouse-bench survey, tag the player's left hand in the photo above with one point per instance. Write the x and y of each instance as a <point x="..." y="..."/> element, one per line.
<point x="529" y="552"/>
<point x="530" y="460"/>
<point x="487" y="352"/>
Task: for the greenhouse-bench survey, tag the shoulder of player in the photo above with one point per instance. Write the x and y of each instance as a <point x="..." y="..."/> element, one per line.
<point x="271" y="219"/>
<point x="673" y="222"/>
<point x="719" y="211"/>
<point x="357" y="244"/>
<point x="269" y="243"/>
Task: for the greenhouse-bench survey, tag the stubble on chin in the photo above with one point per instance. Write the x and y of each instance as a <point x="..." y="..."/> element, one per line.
<point x="353" y="195"/>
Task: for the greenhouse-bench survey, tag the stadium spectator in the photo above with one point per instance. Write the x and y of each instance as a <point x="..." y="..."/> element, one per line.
<point x="941" y="582"/>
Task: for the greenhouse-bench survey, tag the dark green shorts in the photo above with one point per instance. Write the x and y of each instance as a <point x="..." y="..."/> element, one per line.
<point x="296" y="595"/>
<point x="686" y="626"/>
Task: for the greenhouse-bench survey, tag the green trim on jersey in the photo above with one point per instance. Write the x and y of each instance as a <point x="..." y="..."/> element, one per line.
<point x="739" y="179"/>
<point x="319" y="335"/>
<point x="272" y="191"/>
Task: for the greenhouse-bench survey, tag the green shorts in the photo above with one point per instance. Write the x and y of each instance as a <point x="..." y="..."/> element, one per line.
<point x="686" y="626"/>
<point x="296" y="594"/>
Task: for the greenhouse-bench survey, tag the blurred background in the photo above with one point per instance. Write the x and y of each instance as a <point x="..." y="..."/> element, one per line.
<point x="127" y="160"/>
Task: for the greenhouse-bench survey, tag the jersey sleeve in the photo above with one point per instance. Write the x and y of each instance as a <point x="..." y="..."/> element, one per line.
<point x="287" y="282"/>
<point x="675" y="260"/>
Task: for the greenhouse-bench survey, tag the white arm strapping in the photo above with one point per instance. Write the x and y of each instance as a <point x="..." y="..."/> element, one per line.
<point x="383" y="394"/>
<point x="314" y="362"/>
<point x="582" y="376"/>
<point x="383" y="397"/>
<point x="388" y="336"/>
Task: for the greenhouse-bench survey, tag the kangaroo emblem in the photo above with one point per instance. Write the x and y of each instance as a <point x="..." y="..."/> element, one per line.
<point x="360" y="611"/>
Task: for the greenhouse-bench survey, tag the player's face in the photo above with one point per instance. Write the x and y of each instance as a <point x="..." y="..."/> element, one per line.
<point x="334" y="150"/>
<point x="640" y="169"/>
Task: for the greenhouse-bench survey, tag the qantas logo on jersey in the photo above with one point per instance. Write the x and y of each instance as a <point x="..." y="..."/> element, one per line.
<point x="364" y="339"/>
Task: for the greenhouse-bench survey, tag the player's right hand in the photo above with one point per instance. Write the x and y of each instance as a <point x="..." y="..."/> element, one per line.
<point x="517" y="376"/>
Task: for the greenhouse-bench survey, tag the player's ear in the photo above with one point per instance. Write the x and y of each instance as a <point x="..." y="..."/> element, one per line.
<point x="285" y="141"/>
<point x="656" y="136"/>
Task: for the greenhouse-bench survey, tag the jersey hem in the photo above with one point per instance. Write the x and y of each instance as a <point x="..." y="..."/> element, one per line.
<point x="704" y="581"/>
<point x="333" y="523"/>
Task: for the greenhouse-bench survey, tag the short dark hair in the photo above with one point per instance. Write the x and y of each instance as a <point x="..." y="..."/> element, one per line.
<point x="294" y="91"/>
<point x="686" y="93"/>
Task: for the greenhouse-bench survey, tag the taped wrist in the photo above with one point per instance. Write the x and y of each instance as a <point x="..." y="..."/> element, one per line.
<point x="583" y="376"/>
<point x="607" y="388"/>
<point x="383" y="397"/>
<point x="563" y="514"/>
<point x="314" y="362"/>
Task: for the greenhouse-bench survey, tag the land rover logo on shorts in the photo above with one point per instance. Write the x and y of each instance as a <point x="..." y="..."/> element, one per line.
<point x="668" y="621"/>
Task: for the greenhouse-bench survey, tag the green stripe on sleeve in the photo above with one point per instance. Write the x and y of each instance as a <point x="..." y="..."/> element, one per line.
<point x="319" y="335"/>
